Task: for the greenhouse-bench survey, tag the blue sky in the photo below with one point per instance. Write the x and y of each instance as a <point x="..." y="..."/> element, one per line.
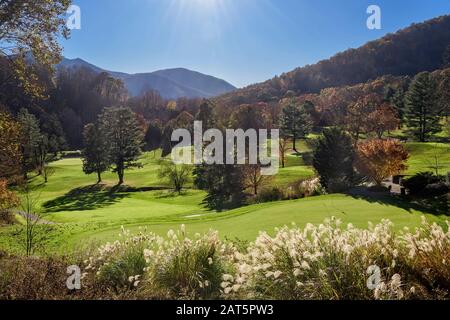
<point x="241" y="41"/>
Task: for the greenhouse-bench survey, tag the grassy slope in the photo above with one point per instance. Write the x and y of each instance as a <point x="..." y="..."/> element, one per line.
<point x="425" y="155"/>
<point x="85" y="213"/>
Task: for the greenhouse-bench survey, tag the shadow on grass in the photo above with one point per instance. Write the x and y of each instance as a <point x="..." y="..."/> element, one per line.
<point x="86" y="198"/>
<point x="437" y="206"/>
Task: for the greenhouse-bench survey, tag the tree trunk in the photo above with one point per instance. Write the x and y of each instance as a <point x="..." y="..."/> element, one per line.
<point x="293" y="144"/>
<point x="120" y="174"/>
<point x="99" y="177"/>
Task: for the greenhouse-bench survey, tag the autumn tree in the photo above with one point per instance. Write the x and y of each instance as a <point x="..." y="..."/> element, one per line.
<point x="249" y="116"/>
<point x="124" y="136"/>
<point x="283" y="145"/>
<point x="96" y="157"/>
<point x="295" y="121"/>
<point x="10" y="147"/>
<point x="383" y="119"/>
<point x="252" y="177"/>
<point x="32" y="27"/>
<point x="379" y="159"/>
<point x="8" y="200"/>
<point x="422" y="111"/>
<point x="356" y="119"/>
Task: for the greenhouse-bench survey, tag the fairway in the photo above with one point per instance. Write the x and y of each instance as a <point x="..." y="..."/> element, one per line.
<point x="85" y="212"/>
<point x="245" y="223"/>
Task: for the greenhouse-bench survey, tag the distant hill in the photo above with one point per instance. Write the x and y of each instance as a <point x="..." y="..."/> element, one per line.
<point x="417" y="48"/>
<point x="170" y="83"/>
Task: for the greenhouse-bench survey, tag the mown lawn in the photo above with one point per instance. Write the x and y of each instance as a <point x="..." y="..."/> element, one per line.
<point x="428" y="156"/>
<point x="84" y="212"/>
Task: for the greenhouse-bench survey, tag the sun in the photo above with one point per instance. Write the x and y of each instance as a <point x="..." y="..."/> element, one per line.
<point x="200" y="5"/>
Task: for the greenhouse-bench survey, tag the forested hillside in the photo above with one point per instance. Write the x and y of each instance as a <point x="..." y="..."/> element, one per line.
<point x="420" y="47"/>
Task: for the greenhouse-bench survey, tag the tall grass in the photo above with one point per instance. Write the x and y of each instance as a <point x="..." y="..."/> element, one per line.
<point x="328" y="261"/>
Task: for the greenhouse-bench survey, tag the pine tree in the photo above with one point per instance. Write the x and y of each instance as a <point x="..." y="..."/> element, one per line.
<point x="153" y="137"/>
<point x="223" y="183"/>
<point x="31" y="139"/>
<point x="295" y="121"/>
<point x="124" y="136"/>
<point x="95" y="153"/>
<point x="206" y="115"/>
<point x="422" y="112"/>
<point x="333" y="160"/>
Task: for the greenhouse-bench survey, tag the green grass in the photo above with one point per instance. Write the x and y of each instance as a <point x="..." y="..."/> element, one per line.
<point x="245" y="223"/>
<point x="428" y="156"/>
<point x="84" y="212"/>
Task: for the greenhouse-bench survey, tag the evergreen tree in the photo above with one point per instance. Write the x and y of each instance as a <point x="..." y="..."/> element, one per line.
<point x="206" y="115"/>
<point x="31" y="140"/>
<point x="333" y="160"/>
<point x="223" y="183"/>
<point x="153" y="137"/>
<point x="95" y="153"/>
<point x="124" y="136"/>
<point x="397" y="100"/>
<point x="422" y="112"/>
<point x="295" y="121"/>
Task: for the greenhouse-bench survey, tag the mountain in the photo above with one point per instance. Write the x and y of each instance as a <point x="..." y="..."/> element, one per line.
<point x="170" y="83"/>
<point x="420" y="47"/>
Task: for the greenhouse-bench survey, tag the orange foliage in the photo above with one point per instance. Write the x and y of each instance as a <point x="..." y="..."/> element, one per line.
<point x="10" y="147"/>
<point x="7" y="198"/>
<point x="379" y="159"/>
<point x="382" y="119"/>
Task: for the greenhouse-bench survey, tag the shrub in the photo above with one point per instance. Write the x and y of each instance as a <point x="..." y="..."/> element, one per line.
<point x="71" y="154"/>
<point x="7" y="217"/>
<point x="181" y="268"/>
<point x="175" y="267"/>
<point x="121" y="264"/>
<point x="330" y="262"/>
<point x="269" y="195"/>
<point x="418" y="183"/>
<point x="435" y="189"/>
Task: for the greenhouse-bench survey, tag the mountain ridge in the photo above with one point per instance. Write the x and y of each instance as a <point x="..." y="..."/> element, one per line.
<point x="406" y="52"/>
<point x="171" y="83"/>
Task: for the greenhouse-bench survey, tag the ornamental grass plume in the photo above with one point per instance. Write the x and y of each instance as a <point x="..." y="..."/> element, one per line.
<point x="326" y="261"/>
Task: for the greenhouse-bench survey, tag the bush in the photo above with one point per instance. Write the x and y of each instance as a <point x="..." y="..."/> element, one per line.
<point x="327" y="261"/>
<point x="435" y="189"/>
<point x="121" y="264"/>
<point x="71" y="154"/>
<point x="304" y="188"/>
<point x="331" y="262"/>
<point x="175" y="267"/>
<point x="419" y="182"/>
<point x="269" y="195"/>
<point x="7" y="218"/>
<point x="181" y="268"/>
